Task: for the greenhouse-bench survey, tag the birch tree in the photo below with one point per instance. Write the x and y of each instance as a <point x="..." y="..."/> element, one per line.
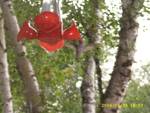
<point x="4" y="73"/>
<point x="24" y="66"/>
<point x="122" y="71"/>
<point x="88" y="90"/>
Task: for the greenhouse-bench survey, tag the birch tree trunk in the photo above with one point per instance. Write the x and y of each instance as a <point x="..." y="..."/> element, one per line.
<point x="24" y="66"/>
<point x="121" y="74"/>
<point x="4" y="74"/>
<point x="88" y="87"/>
<point x="88" y="91"/>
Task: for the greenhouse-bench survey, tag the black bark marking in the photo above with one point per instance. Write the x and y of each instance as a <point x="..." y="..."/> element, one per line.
<point x="3" y="49"/>
<point x="114" y="110"/>
<point x="127" y="63"/>
<point x="22" y="43"/>
<point x="1" y="45"/>
<point x="125" y="72"/>
<point x="21" y="54"/>
<point x="33" y="75"/>
<point x="1" y="64"/>
<point x="118" y="94"/>
<point x="9" y="99"/>
<point x="122" y="90"/>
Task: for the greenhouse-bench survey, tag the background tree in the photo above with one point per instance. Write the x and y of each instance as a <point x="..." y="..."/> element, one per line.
<point x="24" y="66"/>
<point x="4" y="73"/>
<point x="121" y="74"/>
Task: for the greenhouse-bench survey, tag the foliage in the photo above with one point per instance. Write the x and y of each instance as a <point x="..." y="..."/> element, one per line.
<point x="59" y="72"/>
<point x="140" y="96"/>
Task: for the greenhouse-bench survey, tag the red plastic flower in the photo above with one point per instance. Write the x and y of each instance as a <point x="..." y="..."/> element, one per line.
<point x="26" y="32"/>
<point x="46" y="21"/>
<point x="52" y="47"/>
<point x="48" y="31"/>
<point x="72" y="33"/>
<point x="51" y="36"/>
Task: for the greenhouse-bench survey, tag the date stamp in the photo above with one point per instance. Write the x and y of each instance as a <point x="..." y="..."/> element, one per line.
<point x="124" y="105"/>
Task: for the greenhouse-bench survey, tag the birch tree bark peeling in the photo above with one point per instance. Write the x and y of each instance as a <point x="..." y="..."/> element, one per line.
<point x="122" y="71"/>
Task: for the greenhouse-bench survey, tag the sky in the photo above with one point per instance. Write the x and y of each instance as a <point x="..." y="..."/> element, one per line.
<point x="143" y="41"/>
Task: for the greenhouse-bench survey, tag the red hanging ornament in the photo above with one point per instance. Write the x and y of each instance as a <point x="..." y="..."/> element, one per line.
<point x="48" y="31"/>
<point x="52" y="47"/>
<point x="46" y="21"/>
<point x="72" y="33"/>
<point x="51" y="36"/>
<point x="26" y="32"/>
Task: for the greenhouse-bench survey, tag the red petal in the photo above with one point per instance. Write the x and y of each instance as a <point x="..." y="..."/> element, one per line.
<point x="26" y="32"/>
<point x="72" y="33"/>
<point x="47" y="39"/>
<point x="52" y="36"/>
<point x="46" y="21"/>
<point x="52" y="47"/>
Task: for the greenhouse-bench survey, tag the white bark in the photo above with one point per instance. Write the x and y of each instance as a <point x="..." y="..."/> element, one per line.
<point x="88" y="88"/>
<point x="24" y="66"/>
<point x="4" y="74"/>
